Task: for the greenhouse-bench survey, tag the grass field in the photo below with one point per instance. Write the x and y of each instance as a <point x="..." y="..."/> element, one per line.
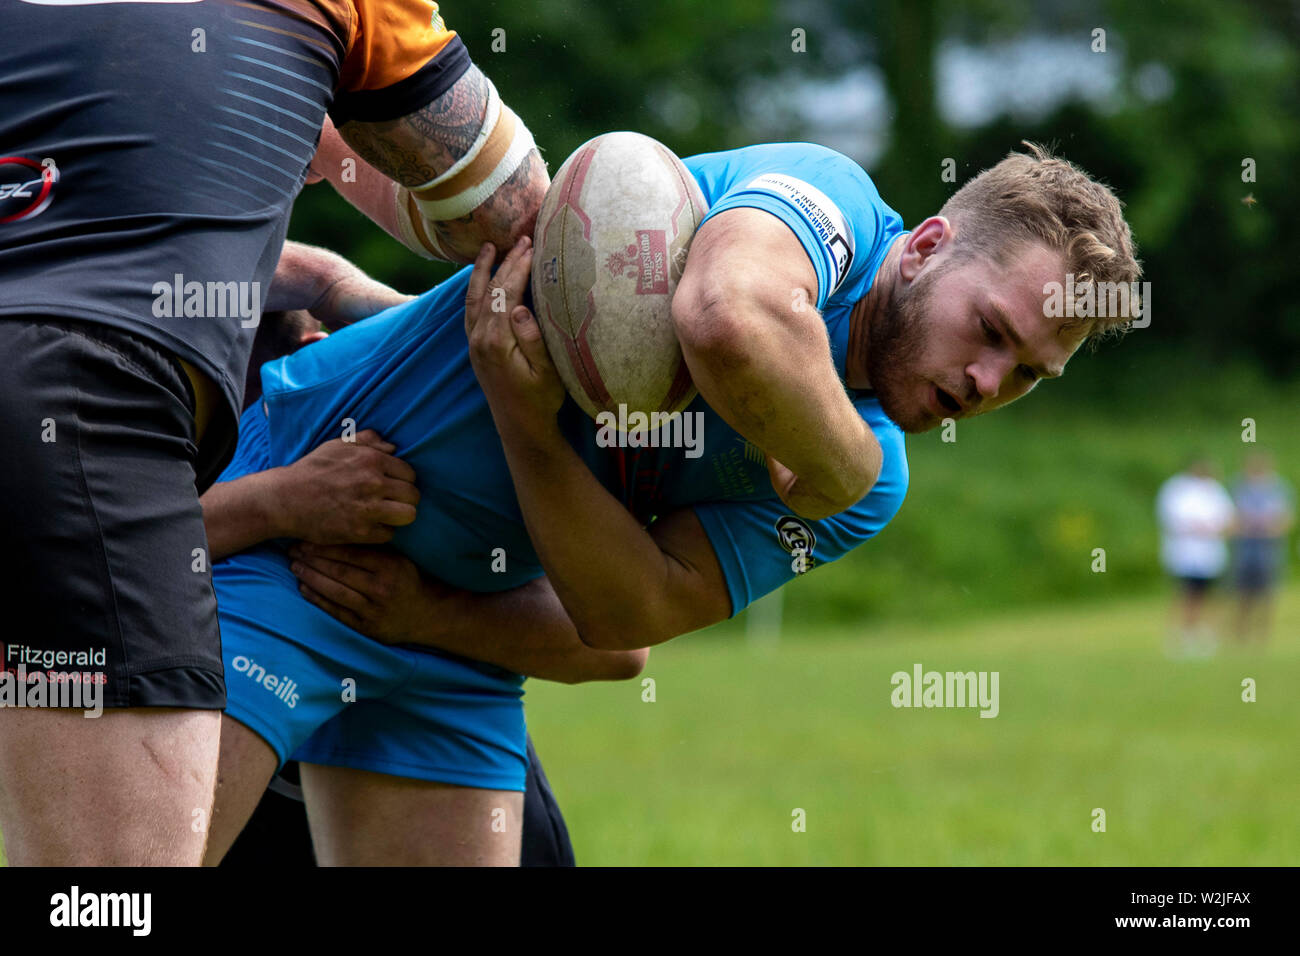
<point x="1093" y="714"/>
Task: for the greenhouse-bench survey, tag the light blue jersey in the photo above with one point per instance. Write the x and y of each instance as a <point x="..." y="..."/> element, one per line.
<point x="406" y="374"/>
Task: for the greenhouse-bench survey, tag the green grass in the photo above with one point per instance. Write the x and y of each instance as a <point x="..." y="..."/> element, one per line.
<point x="1092" y="715"/>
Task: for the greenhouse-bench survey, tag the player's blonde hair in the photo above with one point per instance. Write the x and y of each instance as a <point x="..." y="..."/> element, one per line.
<point x="1039" y="197"/>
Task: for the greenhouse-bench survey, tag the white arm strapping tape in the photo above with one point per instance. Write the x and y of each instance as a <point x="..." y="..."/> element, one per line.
<point x="423" y="241"/>
<point x="490" y="118"/>
<point x="473" y="196"/>
<point x="502" y="143"/>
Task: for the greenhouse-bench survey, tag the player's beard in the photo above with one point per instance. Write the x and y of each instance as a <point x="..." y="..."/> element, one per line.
<point x="896" y="344"/>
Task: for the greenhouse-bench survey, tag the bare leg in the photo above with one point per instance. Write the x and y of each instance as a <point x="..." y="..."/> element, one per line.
<point x="247" y="765"/>
<point x="1244" y="616"/>
<point x="1264" y="605"/>
<point x="360" y="818"/>
<point x="1191" y="606"/>
<point x="1193" y="610"/>
<point x="130" y="787"/>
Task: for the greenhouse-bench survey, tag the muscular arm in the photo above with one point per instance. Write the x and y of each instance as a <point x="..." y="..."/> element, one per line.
<point x="758" y="351"/>
<point x="329" y="286"/>
<point x="415" y="148"/>
<point x="367" y="189"/>
<point x="661" y="582"/>
<point x="356" y="492"/>
<point x="525" y="629"/>
<point x="666" y="580"/>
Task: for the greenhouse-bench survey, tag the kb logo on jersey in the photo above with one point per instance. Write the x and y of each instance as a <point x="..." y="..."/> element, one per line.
<point x="797" y="537"/>
<point x="26" y="187"/>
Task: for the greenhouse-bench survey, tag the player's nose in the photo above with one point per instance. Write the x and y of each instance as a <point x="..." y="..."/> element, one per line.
<point x="985" y="379"/>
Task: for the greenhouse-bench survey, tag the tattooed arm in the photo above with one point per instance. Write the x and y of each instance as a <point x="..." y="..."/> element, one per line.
<point x="366" y="188"/>
<point x="416" y="148"/>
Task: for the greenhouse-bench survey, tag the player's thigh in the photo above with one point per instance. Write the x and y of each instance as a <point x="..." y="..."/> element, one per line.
<point x="246" y="766"/>
<point x="290" y="670"/>
<point x="276" y="834"/>
<point x="101" y="526"/>
<point x="360" y="818"/>
<point x="129" y="787"/>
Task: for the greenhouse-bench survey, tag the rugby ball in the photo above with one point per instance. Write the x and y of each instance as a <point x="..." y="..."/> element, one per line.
<point x="608" y="251"/>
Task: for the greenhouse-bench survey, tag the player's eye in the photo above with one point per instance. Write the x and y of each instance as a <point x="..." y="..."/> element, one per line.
<point x="990" y="333"/>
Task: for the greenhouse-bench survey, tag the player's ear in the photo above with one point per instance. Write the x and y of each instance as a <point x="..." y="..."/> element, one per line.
<point x="307" y="338"/>
<point x="925" y="241"/>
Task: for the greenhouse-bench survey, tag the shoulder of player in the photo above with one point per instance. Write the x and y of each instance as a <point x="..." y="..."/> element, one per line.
<point x="818" y="166"/>
<point x="757" y="153"/>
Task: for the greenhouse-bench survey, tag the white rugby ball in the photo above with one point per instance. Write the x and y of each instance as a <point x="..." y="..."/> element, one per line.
<point x="608" y="251"/>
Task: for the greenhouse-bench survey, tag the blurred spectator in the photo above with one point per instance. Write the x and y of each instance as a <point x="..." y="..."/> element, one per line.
<point x="1265" y="513"/>
<point x="1195" y="515"/>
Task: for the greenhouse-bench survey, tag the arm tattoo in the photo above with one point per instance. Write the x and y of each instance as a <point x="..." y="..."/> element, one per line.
<point x="520" y="196"/>
<point x="422" y="145"/>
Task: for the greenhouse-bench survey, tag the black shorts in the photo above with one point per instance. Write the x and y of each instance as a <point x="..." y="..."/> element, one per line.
<point x="1196" y="586"/>
<point x="104" y="574"/>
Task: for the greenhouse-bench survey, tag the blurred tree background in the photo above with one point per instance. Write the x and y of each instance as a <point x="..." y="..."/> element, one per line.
<point x="1190" y="109"/>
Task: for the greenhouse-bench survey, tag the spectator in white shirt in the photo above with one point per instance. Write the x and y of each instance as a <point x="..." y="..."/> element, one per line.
<point x="1195" y="514"/>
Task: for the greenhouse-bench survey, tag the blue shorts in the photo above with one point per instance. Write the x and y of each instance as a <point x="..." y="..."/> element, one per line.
<point x="319" y="692"/>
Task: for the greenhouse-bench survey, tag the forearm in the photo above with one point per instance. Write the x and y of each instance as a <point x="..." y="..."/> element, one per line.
<point x="241" y="513"/>
<point x="575" y="524"/>
<point x="415" y="150"/>
<point x="757" y="348"/>
<point x="782" y="394"/>
<point x="525" y="630"/>
<point x="327" y="285"/>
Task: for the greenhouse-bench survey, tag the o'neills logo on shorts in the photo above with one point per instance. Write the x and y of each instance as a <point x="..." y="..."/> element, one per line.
<point x="284" y="688"/>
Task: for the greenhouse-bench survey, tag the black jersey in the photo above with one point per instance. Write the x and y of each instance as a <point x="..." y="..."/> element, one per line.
<point x="150" y="151"/>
